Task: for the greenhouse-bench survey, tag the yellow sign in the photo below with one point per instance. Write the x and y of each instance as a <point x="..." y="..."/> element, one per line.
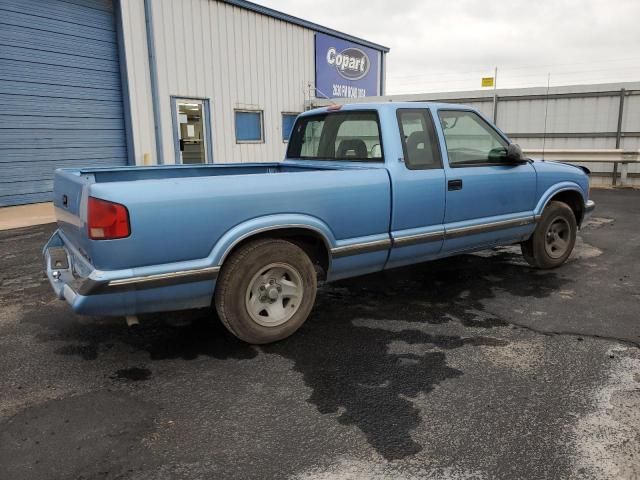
<point x="487" y="81"/>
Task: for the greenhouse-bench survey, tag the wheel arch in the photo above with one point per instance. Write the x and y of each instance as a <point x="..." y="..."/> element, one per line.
<point x="570" y="194"/>
<point x="311" y="235"/>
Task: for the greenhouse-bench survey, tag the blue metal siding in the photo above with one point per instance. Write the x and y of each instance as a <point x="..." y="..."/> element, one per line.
<point x="60" y="93"/>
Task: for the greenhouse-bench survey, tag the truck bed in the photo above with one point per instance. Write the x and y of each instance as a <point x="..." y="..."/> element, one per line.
<point x="179" y="213"/>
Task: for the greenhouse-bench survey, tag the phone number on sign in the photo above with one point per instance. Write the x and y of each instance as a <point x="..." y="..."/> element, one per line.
<point x="348" y="91"/>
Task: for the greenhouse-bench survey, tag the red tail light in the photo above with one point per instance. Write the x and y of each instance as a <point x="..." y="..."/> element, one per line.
<point x="107" y="220"/>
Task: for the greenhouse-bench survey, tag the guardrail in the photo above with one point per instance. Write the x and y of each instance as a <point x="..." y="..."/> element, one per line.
<point x="618" y="158"/>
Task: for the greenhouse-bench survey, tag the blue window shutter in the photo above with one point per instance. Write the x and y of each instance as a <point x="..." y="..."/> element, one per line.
<point x="248" y="126"/>
<point x="288" y="119"/>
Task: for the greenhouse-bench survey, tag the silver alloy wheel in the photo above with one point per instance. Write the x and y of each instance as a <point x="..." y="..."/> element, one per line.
<point x="558" y="237"/>
<point x="274" y="294"/>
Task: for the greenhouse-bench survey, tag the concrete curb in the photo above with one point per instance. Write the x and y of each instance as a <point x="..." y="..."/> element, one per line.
<point x="26" y="215"/>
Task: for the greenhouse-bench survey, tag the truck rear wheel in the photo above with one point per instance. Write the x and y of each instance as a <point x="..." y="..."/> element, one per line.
<point x="553" y="240"/>
<point x="266" y="290"/>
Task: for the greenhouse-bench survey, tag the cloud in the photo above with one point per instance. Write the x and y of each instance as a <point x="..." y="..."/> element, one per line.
<point x="449" y="45"/>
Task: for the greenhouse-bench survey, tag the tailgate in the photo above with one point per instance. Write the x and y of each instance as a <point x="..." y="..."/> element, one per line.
<point x="70" y="192"/>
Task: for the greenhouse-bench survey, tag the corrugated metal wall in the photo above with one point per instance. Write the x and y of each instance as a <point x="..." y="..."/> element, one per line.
<point x="235" y="58"/>
<point x="60" y="93"/>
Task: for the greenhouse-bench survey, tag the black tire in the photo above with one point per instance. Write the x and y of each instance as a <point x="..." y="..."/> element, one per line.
<point x="243" y="269"/>
<point x="556" y="227"/>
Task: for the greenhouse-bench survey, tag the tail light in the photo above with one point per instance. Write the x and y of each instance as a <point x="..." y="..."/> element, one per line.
<point x="107" y="220"/>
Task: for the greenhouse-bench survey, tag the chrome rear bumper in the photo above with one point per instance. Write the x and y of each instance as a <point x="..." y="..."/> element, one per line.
<point x="124" y="292"/>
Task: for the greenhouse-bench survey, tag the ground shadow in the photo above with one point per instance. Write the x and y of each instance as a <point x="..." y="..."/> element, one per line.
<point x="197" y="333"/>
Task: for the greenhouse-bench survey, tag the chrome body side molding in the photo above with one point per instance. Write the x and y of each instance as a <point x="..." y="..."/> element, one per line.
<point x="489" y="227"/>
<point x="358" y="248"/>
<point x="188" y="275"/>
<point x="407" y="240"/>
<point x="91" y="286"/>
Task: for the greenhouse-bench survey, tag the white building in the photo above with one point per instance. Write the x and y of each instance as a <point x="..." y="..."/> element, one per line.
<point x="143" y="82"/>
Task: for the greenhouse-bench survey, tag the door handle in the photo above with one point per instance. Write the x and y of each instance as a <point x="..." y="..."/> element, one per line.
<point x="181" y="145"/>
<point x="454" y="184"/>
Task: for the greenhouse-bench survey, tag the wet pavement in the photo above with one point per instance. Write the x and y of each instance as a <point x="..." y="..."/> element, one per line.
<point x="475" y="367"/>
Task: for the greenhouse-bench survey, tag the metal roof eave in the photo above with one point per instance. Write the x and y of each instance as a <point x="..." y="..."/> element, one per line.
<point x="254" y="7"/>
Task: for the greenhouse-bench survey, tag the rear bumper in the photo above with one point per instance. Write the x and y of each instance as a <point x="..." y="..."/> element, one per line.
<point x="124" y="292"/>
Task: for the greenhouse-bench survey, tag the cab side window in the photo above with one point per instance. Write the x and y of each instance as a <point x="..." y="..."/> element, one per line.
<point x="470" y="140"/>
<point x="419" y="141"/>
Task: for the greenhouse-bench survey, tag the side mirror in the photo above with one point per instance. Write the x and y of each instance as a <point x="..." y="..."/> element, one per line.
<point x="514" y="153"/>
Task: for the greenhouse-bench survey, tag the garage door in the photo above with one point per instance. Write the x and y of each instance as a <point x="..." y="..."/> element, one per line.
<point x="60" y="93"/>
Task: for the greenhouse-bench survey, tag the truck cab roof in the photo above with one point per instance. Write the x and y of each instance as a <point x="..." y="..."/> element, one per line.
<point x="384" y="106"/>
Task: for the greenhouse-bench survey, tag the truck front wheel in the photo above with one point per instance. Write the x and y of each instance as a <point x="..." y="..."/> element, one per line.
<point x="266" y="290"/>
<point x="553" y="239"/>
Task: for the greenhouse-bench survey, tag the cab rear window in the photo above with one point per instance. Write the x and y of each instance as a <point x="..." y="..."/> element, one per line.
<point x="342" y="136"/>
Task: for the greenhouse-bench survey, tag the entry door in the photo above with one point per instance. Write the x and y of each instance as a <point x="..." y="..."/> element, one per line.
<point x="489" y="200"/>
<point x="191" y="125"/>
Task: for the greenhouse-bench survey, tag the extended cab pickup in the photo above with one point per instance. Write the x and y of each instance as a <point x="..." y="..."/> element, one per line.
<point x="363" y="188"/>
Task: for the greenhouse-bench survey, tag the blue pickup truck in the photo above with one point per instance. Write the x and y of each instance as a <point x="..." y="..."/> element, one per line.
<point x="363" y="188"/>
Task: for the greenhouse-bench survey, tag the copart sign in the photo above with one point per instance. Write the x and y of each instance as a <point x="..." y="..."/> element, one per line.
<point x="345" y="69"/>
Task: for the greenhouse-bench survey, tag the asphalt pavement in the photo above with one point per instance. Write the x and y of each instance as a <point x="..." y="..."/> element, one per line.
<point x="474" y="367"/>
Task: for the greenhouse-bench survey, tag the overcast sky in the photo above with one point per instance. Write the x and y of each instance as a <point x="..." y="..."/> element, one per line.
<point x="451" y="44"/>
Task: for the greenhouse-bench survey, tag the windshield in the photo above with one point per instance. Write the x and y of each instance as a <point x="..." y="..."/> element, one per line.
<point x="342" y="136"/>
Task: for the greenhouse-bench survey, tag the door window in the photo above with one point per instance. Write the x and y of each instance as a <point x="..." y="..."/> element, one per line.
<point x="470" y="140"/>
<point x="191" y="131"/>
<point x="347" y="136"/>
<point x="419" y="142"/>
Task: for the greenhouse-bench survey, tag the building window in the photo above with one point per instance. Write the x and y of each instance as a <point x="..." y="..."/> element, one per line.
<point x="249" y="126"/>
<point x="288" y="119"/>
